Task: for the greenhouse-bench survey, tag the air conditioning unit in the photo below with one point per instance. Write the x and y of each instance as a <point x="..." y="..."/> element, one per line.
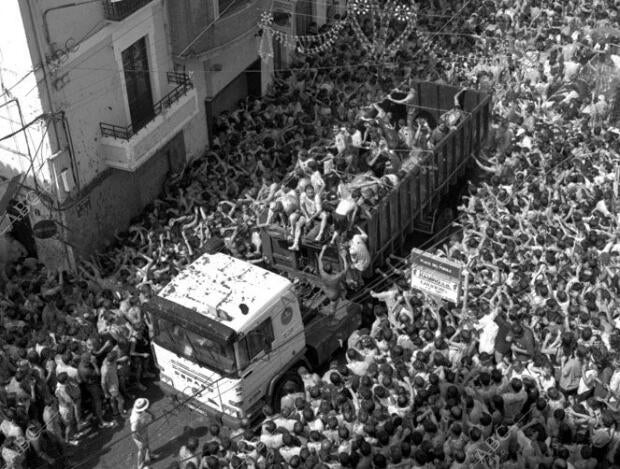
<point x="67" y="180"/>
<point x="63" y="179"/>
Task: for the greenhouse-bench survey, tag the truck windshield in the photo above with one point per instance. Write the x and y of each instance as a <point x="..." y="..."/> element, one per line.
<point x="208" y="353"/>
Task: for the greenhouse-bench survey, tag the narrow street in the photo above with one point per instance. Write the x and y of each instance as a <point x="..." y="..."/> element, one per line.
<point x="113" y="448"/>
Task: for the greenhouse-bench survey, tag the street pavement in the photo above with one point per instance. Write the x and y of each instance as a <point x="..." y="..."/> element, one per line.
<point x="113" y="448"/>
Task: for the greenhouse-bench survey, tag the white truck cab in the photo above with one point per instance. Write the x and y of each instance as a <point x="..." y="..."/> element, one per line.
<point x="228" y="335"/>
<point x="223" y="329"/>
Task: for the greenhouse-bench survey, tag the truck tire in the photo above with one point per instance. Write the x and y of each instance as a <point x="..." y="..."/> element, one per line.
<point x="278" y="391"/>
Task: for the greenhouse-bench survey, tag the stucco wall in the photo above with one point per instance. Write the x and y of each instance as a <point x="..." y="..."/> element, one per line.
<point x="118" y="196"/>
<point x="95" y="90"/>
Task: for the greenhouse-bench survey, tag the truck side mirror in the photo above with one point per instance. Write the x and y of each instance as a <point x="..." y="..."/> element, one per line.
<point x="267" y="345"/>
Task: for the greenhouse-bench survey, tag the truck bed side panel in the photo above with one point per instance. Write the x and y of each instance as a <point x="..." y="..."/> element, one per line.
<point x="419" y="192"/>
<point x="406" y="207"/>
<point x="323" y="333"/>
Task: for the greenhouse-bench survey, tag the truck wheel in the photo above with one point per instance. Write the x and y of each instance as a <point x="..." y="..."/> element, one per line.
<point x="443" y="220"/>
<point x="279" y="391"/>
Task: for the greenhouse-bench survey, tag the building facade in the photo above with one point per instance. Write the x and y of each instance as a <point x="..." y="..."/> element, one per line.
<point x="102" y="99"/>
<point x="111" y="118"/>
<point x="216" y="43"/>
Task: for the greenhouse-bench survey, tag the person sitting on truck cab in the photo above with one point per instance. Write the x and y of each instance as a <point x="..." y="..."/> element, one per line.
<point x="311" y="209"/>
<point x="285" y="206"/>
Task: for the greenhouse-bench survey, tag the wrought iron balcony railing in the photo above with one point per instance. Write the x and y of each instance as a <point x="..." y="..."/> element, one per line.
<point x="184" y="85"/>
<point x="121" y="9"/>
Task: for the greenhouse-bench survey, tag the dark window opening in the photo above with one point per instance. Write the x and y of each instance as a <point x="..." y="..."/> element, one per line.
<point x="254" y="342"/>
<point x="138" y="84"/>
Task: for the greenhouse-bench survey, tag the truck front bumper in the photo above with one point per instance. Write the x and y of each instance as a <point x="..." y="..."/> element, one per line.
<point x="217" y="416"/>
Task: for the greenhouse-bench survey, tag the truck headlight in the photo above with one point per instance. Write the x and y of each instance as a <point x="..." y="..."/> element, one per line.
<point x="232" y="411"/>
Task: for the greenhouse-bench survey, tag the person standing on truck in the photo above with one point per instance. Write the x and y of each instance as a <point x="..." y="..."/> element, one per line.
<point x="332" y="281"/>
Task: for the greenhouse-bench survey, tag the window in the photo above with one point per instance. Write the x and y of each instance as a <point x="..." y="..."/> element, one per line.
<point x="194" y="347"/>
<point x="254" y="342"/>
<point x="138" y="84"/>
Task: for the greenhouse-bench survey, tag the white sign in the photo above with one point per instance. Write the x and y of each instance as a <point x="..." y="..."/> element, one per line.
<point x="436" y="275"/>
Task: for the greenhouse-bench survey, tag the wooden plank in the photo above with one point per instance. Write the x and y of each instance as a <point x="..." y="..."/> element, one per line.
<point x="405" y="202"/>
<point x="448" y="158"/>
<point x="465" y="155"/>
<point x="446" y="98"/>
<point x="429" y="100"/>
<point x="423" y="184"/>
<point x="468" y="138"/>
<point x="412" y="200"/>
<point x="414" y="192"/>
<point x="479" y="136"/>
<point x="470" y="100"/>
<point x="395" y="221"/>
<point x="451" y="161"/>
<point x="373" y="235"/>
<point x="384" y="224"/>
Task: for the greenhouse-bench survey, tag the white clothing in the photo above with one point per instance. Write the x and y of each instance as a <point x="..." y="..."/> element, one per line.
<point x="488" y="333"/>
<point x="360" y="256"/>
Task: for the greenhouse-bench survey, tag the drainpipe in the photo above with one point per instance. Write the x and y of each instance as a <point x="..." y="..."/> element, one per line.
<point x="37" y="41"/>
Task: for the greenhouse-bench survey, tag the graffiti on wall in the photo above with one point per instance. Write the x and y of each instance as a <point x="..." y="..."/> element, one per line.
<point x="57" y="58"/>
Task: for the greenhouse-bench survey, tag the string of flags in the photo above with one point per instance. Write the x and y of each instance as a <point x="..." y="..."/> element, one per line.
<point x="390" y="15"/>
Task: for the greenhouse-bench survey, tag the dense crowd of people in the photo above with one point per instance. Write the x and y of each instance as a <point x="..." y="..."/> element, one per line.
<point x="525" y="375"/>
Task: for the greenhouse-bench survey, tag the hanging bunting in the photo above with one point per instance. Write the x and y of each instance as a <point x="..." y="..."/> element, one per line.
<point x="386" y="16"/>
<point x="265" y="47"/>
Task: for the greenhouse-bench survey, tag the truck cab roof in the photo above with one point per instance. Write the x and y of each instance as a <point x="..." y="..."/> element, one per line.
<point x="229" y="291"/>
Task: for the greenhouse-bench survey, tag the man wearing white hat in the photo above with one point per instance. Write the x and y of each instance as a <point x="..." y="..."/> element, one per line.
<point x="140" y="420"/>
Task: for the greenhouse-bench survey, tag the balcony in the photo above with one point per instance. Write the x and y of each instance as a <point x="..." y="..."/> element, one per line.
<point x="125" y="148"/>
<point x="120" y="9"/>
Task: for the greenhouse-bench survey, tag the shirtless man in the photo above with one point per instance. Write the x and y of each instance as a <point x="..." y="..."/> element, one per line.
<point x="285" y="206"/>
<point x="332" y="282"/>
<point x="311" y="209"/>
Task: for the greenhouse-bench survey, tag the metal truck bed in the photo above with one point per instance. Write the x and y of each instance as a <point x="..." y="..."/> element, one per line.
<point x="417" y="195"/>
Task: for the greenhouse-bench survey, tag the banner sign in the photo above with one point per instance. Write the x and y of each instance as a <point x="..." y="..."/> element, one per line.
<point x="436" y="275"/>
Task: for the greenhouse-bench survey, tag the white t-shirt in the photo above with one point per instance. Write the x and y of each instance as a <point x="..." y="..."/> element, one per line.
<point x="360" y="256"/>
<point x="614" y="384"/>
<point x="488" y="334"/>
<point x="583" y="387"/>
<point x="273" y="441"/>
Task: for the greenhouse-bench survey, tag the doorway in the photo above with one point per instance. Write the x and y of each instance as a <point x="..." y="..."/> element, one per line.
<point x="253" y="79"/>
